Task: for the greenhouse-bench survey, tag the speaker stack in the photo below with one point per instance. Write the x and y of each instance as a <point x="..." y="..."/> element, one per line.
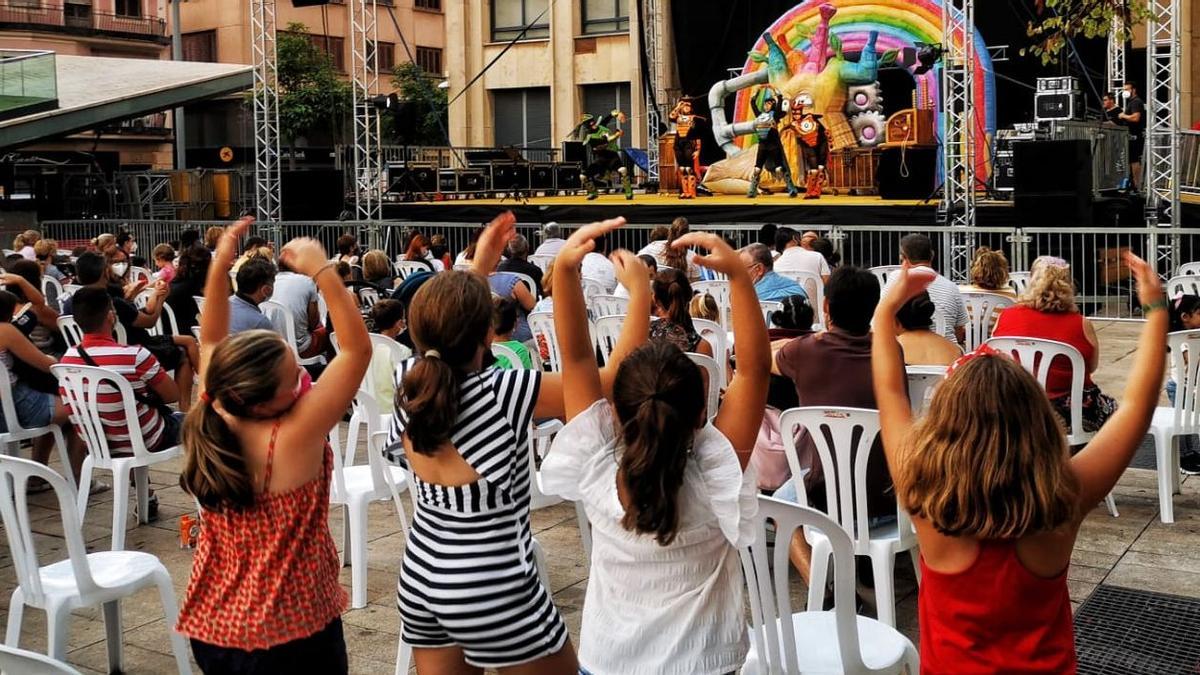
<point x="1053" y="182"/>
<point x="1057" y="98"/>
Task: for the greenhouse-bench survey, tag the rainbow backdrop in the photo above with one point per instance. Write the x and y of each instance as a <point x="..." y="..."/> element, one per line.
<point x="900" y="23"/>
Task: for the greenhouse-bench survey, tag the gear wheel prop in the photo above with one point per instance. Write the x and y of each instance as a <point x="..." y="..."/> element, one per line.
<point x="863" y="97"/>
<point x="868" y="128"/>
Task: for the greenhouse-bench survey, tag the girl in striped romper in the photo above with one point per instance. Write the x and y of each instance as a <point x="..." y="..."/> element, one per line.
<point x="469" y="593"/>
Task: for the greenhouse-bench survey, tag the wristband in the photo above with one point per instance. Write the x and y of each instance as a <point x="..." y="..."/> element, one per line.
<point x="1161" y="303"/>
<point x="326" y="266"/>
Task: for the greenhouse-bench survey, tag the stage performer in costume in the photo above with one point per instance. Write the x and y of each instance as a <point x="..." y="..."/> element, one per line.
<point x="768" y="113"/>
<point x="607" y="155"/>
<point x="687" y="146"/>
<point x="809" y="132"/>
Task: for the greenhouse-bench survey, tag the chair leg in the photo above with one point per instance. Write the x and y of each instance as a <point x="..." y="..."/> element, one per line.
<point x="403" y="655"/>
<point x="1166" y="501"/>
<point x="358" y="553"/>
<point x="57" y="617"/>
<point x="85" y="486"/>
<point x="120" y="506"/>
<point x="179" y="645"/>
<point x="912" y="659"/>
<point x="351" y="440"/>
<point x="61" y="444"/>
<point x="818" y="573"/>
<point x="1112" y="505"/>
<point x="539" y="559"/>
<point x="113" y="635"/>
<point x="347" y="539"/>
<point x="141" y="480"/>
<point x="16" y="610"/>
<point x="883" y="567"/>
<point x="1176" y="478"/>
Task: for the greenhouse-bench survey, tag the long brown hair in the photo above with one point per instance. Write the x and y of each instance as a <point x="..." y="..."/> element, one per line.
<point x="989" y="459"/>
<point x="450" y="314"/>
<point x="673" y="257"/>
<point x="415" y="245"/>
<point x="989" y="269"/>
<point x="673" y="293"/>
<point x="659" y="399"/>
<point x="240" y="374"/>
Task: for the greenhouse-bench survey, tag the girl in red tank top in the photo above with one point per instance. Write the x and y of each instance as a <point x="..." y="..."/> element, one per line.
<point x="995" y="496"/>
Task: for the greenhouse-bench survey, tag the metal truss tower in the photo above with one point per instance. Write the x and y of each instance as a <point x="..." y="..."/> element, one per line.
<point x="654" y="93"/>
<point x="957" y="208"/>
<point x="1115" y="71"/>
<point x="1162" y="124"/>
<point x="266" y="114"/>
<point x="365" y="80"/>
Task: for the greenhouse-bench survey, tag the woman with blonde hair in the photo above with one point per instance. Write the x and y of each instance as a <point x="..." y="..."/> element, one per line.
<point x="378" y="271"/>
<point x="24" y="242"/>
<point x="989" y="273"/>
<point x="1047" y="310"/>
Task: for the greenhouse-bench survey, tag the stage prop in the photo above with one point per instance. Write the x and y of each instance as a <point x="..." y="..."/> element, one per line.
<point x="832" y="51"/>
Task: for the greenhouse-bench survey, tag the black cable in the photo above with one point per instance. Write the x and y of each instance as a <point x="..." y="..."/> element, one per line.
<point x="520" y="36"/>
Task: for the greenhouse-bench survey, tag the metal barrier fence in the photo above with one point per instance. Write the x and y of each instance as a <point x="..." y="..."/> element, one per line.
<point x="1105" y="289"/>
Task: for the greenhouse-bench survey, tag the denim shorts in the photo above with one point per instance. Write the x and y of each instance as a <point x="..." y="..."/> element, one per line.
<point x="34" y="409"/>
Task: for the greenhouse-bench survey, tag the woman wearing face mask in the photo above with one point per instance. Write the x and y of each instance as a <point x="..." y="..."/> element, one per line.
<point x="264" y="594"/>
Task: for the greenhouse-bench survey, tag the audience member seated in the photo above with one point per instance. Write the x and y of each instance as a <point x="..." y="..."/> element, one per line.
<point x="504" y="320"/>
<point x="656" y="247"/>
<point x="188" y="283"/>
<point x="833" y="368"/>
<point x="418" y="252"/>
<point x="989" y="273"/>
<point x="510" y="287"/>
<point x="126" y="248"/>
<point x="347" y="248"/>
<point x="673" y="325"/>
<point x="704" y="306"/>
<point x="36" y="402"/>
<point x="298" y="294"/>
<point x="767" y="284"/>
<point x="684" y="259"/>
<point x="387" y="316"/>
<point x="440" y="251"/>
<point x="23" y="244"/>
<point x="255" y="284"/>
<point x="46" y="251"/>
<point x="164" y="262"/>
<point x="651" y="269"/>
<point x="33" y="317"/>
<point x="597" y="266"/>
<point x="770" y="458"/>
<point x="468" y="254"/>
<point x="191" y="236"/>
<point x="404" y="294"/>
<point x="211" y="236"/>
<point x="914" y="329"/>
<point x="825" y="248"/>
<point x="1047" y="310"/>
<point x="796" y="258"/>
<point x="378" y="271"/>
<point x="518" y="261"/>
<point x="917" y="250"/>
<point x="254" y="248"/>
<point x="552" y="241"/>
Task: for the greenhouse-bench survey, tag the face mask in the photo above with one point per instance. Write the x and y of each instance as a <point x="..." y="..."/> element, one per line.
<point x="119" y="269"/>
<point x="1126" y="93"/>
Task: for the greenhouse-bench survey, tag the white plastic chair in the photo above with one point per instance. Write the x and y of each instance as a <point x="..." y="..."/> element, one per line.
<point x="883" y="273"/>
<point x="814" y="287"/>
<point x="1019" y="281"/>
<point x="836" y="641"/>
<point x="607" y="332"/>
<point x="82" y="386"/>
<point x="1181" y="419"/>
<point x="541" y="326"/>
<point x="52" y="291"/>
<point x="355" y="487"/>
<point x="462" y="267"/>
<point x="10" y="440"/>
<point x="73" y="334"/>
<point x="13" y="660"/>
<point x="1188" y="284"/>
<point x="719" y="290"/>
<point x="541" y="260"/>
<point x="528" y="281"/>
<point x="1035" y="355"/>
<point x="406" y="268"/>
<point x="1187" y="269"/>
<point x="510" y="354"/>
<point x="367" y="297"/>
<point x="81" y="580"/>
<point x="983" y="309"/>
<point x="608" y="305"/>
<point x="398" y="353"/>
<point x="718" y="339"/>
<point x="844" y="463"/>
<point x="166" y="320"/>
<point x="713" y="374"/>
<point x="136" y="274"/>
<point x="922" y="380"/>
<point x="199" y="300"/>
<point x="591" y="289"/>
<point x="281" y="317"/>
<point x="769" y="307"/>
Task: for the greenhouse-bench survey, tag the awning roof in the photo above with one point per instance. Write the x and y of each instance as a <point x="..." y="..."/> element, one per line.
<point x="94" y="90"/>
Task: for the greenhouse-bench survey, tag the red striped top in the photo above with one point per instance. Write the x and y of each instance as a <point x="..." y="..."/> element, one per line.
<point x="136" y="364"/>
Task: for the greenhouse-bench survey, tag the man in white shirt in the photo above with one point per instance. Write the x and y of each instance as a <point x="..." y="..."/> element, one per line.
<point x="552" y="240"/>
<point x="796" y="258"/>
<point x="950" y="312"/>
<point x="598" y="267"/>
<point x="298" y="294"/>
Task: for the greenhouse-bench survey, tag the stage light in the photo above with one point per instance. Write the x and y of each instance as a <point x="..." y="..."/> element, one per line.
<point x="927" y="56"/>
<point x="386" y="102"/>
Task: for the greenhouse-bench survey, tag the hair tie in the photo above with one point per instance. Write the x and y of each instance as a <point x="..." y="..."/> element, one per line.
<point x="205" y="398"/>
<point x="981" y="350"/>
<point x="433" y="354"/>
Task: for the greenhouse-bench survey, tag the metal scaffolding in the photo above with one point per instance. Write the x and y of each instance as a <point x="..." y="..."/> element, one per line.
<point x="1162" y="134"/>
<point x="266" y="114"/>
<point x="957" y="208"/>
<point x="365" y="83"/>
<point x="653" y="86"/>
<point x="1115" y="71"/>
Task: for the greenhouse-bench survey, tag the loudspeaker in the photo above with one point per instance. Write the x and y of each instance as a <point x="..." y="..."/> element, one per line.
<point x="412" y="177"/>
<point x="507" y="176"/>
<point x="907" y="173"/>
<point x="1056" y="106"/>
<point x="541" y="176"/>
<point x="567" y="176"/>
<point x="1004" y="171"/>
<point x="1053" y="182"/>
<point x="574" y="151"/>
<point x="471" y="180"/>
<point x="447" y="181"/>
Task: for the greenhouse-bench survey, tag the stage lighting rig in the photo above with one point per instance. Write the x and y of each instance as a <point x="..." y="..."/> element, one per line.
<point x="928" y="56"/>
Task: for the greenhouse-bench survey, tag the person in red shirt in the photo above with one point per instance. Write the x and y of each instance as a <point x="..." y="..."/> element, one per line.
<point x="996" y="499"/>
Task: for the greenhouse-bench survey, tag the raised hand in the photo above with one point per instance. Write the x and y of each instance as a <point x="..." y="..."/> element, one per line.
<point x="304" y="255"/>
<point x="492" y="241"/>
<point x="227" y="245"/>
<point x="1149" y="284"/>
<point x="721" y="256"/>
<point x="583" y="241"/>
<point x="909" y="281"/>
<point x="630" y="270"/>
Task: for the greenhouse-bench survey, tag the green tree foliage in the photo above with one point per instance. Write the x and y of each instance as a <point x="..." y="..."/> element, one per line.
<point x="1061" y="20"/>
<point x="419" y="89"/>
<point x="313" y="98"/>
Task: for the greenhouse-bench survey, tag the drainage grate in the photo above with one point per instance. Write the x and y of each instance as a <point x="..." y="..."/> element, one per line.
<point x="1145" y="458"/>
<point x="1121" y="630"/>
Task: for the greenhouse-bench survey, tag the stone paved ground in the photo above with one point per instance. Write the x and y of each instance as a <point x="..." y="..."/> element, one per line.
<point x="1134" y="550"/>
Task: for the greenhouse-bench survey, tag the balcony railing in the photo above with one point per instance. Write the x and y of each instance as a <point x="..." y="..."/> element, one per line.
<point x="14" y="14"/>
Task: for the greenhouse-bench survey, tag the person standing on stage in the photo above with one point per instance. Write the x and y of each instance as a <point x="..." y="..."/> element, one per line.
<point x="687" y="146"/>
<point x="1134" y="117"/>
<point x="770" y="155"/>
<point x="607" y="155"/>
<point x="1112" y="113"/>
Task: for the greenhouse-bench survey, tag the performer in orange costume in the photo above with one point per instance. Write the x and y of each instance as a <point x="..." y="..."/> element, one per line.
<point x="687" y="146"/>
<point x="813" y="141"/>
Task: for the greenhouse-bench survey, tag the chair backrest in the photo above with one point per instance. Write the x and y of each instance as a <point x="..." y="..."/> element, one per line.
<point x="608" y="305"/>
<point x="1035" y="355"/>
<point x="366" y="409"/>
<point x="199" y="300"/>
<point x="1188" y="268"/>
<point x="136" y="274"/>
<point x="13" y="660"/>
<point x="921" y="382"/>
<point x="592" y="288"/>
<point x="607" y="332"/>
<point x="368" y="296"/>
<point x="52" y="290"/>
<point x="1019" y="281"/>
<point x="541" y="260"/>
<point x="814" y="287"/>
<point x="398" y="351"/>
<point x="14" y="507"/>
<point x="717" y="338"/>
<point x="166" y="320"/>
<point x="1185" y="369"/>
<point x="883" y="273"/>
<point x="769" y="307"/>
<point x="7" y="405"/>
<point x="982" y="311"/>
<point x="71" y="332"/>
<point x="514" y="359"/>
<point x="1188" y="284"/>
<point x="281" y="317"/>
<point x="719" y="290"/>
<point x="83" y="386"/>
<point x="406" y="268"/>
<point x="843" y="438"/>
<point x="767" y="570"/>
<point x="462" y="266"/>
<point x="528" y="281"/>
<point x="713" y="374"/>
<point x="541" y="325"/>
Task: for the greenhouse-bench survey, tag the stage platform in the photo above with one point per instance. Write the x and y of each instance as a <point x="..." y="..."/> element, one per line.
<point x="776" y="208"/>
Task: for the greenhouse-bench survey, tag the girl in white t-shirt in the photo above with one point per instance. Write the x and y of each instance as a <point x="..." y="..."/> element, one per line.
<point x="667" y="493"/>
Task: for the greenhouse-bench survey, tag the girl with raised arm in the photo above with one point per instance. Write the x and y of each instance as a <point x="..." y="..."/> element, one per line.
<point x="996" y="498"/>
<point x="264" y="594"/>
<point x="469" y="592"/>
<point x="668" y="494"/>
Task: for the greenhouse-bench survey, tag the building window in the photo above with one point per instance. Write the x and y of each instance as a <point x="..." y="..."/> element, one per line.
<point x="129" y="7"/>
<point x="601" y="99"/>
<point x="383" y="60"/>
<point x="430" y="60"/>
<point x="333" y="47"/>
<point x="435" y="5"/>
<point x="522" y="117"/>
<point x="201" y="46"/>
<point x="605" y="16"/>
<point x="510" y="17"/>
